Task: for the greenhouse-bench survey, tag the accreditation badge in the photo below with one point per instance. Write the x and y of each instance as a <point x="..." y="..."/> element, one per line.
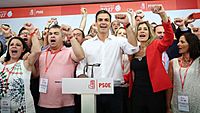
<point x="5" y="105"/>
<point x="183" y="103"/>
<point x="43" y="85"/>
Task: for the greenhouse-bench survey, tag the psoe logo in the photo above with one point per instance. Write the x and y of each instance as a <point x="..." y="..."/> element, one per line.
<point x="105" y="85"/>
<point x="37" y="12"/>
<point x="34" y="12"/>
<point x="91" y="84"/>
<point x="3" y="14"/>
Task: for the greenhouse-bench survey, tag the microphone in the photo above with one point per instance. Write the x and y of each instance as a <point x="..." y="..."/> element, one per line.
<point x="85" y="70"/>
<point x="94" y="65"/>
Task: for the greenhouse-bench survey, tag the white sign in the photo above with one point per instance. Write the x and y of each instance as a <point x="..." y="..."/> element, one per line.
<point x="87" y="86"/>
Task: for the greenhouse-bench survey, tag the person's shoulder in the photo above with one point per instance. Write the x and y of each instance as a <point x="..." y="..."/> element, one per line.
<point x="118" y="39"/>
<point x="89" y="41"/>
<point x="66" y="49"/>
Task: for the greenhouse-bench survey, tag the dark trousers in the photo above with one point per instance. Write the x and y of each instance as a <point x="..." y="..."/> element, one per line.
<point x="69" y="109"/>
<point x="34" y="87"/>
<point x="126" y="101"/>
<point x="77" y="99"/>
<point x="111" y="103"/>
<point x="149" y="103"/>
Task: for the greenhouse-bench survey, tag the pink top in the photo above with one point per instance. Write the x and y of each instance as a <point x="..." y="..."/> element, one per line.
<point x="62" y="66"/>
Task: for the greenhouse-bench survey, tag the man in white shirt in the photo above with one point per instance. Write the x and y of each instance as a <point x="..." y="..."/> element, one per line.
<point x="106" y="50"/>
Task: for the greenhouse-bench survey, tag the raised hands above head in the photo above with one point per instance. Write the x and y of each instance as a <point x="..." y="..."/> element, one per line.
<point x="83" y="11"/>
<point x="131" y="12"/>
<point x="179" y="22"/>
<point x="6" y="30"/>
<point x="159" y="9"/>
<point x="139" y="13"/>
<point x="192" y="17"/>
<point x="122" y="18"/>
<point x="50" y="22"/>
<point x="67" y="31"/>
<point x="29" y="26"/>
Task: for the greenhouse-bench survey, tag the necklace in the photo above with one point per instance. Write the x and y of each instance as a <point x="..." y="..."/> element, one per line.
<point x="140" y="58"/>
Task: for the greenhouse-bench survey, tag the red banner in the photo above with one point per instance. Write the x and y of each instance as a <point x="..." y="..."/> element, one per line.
<point x="93" y="8"/>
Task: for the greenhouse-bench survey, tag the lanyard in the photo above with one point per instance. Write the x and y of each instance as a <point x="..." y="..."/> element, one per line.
<point x="185" y="74"/>
<point x="48" y="65"/>
<point x="9" y="73"/>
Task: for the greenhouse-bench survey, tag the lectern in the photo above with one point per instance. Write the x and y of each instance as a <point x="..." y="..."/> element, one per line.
<point x="88" y="88"/>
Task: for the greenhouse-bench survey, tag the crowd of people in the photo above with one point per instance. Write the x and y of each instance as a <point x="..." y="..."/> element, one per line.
<point x="155" y="67"/>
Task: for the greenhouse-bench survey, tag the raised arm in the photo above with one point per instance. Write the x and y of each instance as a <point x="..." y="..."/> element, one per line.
<point x="77" y="49"/>
<point x="123" y="18"/>
<point x="35" y="51"/>
<point x="182" y="28"/>
<point x="168" y="38"/>
<point x="84" y="19"/>
<point x="132" y="16"/>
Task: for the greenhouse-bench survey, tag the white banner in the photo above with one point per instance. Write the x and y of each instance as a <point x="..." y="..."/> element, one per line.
<point x="87" y="86"/>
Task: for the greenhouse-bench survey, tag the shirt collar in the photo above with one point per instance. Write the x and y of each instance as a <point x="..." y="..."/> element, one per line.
<point x="110" y="37"/>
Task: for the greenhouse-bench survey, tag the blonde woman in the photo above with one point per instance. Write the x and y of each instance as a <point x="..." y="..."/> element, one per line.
<point x="151" y="80"/>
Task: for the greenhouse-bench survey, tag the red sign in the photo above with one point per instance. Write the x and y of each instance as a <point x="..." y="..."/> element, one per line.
<point x="93" y="8"/>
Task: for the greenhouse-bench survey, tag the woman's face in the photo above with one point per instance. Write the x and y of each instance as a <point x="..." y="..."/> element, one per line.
<point x="115" y="25"/>
<point x="183" y="45"/>
<point x="121" y="33"/>
<point x="15" y="49"/>
<point x="143" y="33"/>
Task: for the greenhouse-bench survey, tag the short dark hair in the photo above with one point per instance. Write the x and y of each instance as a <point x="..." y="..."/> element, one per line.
<point x="55" y="26"/>
<point x="25" y="47"/>
<point x="103" y="12"/>
<point x="194" y="45"/>
<point x="154" y="29"/>
<point x="6" y="25"/>
<point x="83" y="34"/>
<point x="22" y="29"/>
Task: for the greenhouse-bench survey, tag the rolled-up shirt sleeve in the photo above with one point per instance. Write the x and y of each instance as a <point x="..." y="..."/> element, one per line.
<point x="127" y="47"/>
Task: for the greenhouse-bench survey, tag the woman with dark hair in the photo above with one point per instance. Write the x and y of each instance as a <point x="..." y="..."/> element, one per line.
<point x="15" y="74"/>
<point x="184" y="72"/>
<point x="25" y="47"/>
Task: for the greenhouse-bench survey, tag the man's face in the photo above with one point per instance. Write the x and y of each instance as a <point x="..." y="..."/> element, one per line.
<point x="138" y="19"/>
<point x="160" y="32"/>
<point x="78" y="35"/>
<point x="25" y="34"/>
<point x="103" y="23"/>
<point x="55" y="38"/>
<point x="196" y="31"/>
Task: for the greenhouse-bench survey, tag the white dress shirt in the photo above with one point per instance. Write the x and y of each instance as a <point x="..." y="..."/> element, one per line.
<point x="108" y="54"/>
